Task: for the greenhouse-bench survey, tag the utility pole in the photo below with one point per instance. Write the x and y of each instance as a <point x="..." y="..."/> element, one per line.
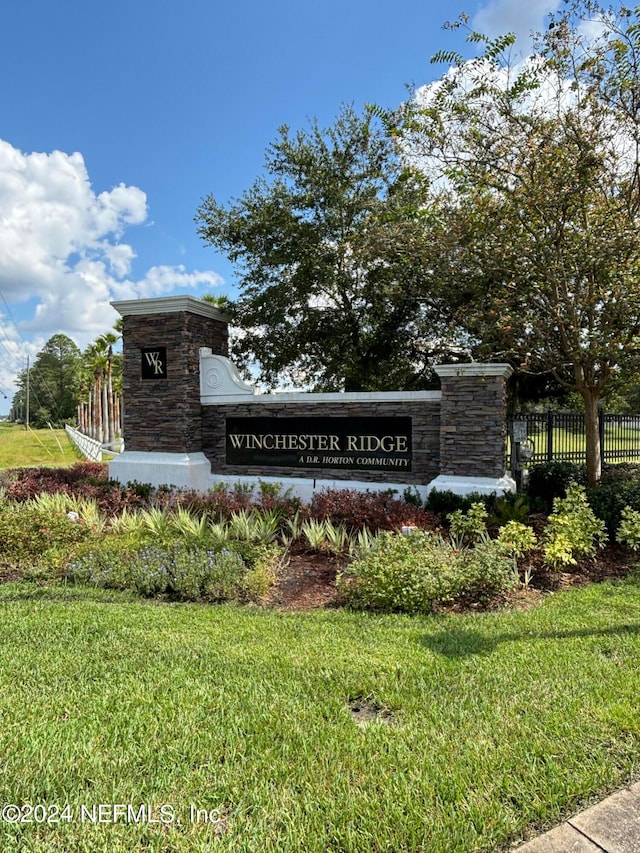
<point x="27" y="399"/>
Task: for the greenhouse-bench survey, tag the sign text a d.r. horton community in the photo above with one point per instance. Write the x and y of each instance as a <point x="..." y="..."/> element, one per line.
<point x="329" y="442"/>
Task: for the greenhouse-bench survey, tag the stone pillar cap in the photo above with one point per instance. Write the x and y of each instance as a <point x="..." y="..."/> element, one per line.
<point x="169" y="305"/>
<point x="474" y="368"/>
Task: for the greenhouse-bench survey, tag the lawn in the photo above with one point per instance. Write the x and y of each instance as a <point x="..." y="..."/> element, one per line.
<point x="480" y="728"/>
<point x="621" y="443"/>
<point x="20" y="447"/>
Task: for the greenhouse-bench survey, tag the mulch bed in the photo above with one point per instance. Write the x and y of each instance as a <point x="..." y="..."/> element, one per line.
<point x="308" y="580"/>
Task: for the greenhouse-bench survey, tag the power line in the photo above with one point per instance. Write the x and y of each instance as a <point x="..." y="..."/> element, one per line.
<point x="12" y="356"/>
<point x="13" y="319"/>
<point x="44" y="385"/>
<point x="18" y="370"/>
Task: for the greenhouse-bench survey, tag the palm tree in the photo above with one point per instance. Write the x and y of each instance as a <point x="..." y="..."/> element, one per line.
<point x="98" y="359"/>
<point x="105" y="345"/>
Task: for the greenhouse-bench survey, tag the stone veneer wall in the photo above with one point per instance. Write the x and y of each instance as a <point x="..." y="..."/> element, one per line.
<point x="175" y="427"/>
<point x="165" y="415"/>
<point x="425" y="437"/>
<point x="474" y="419"/>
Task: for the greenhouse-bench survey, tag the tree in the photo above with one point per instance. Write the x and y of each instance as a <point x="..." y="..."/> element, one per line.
<point x="106" y="341"/>
<point x="53" y="384"/>
<point x="541" y="163"/>
<point x="333" y="251"/>
<point x="101" y="413"/>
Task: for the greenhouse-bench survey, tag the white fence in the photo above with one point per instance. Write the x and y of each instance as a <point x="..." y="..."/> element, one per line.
<point x="89" y="447"/>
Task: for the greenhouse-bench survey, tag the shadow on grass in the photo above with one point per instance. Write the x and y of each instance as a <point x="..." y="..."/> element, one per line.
<point x="27" y="591"/>
<point x="460" y="643"/>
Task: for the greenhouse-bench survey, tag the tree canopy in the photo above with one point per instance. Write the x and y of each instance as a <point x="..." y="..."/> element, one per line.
<point x="539" y="165"/>
<point x="497" y="211"/>
<point x="62" y="378"/>
<point x="54" y="381"/>
<point x="334" y="253"/>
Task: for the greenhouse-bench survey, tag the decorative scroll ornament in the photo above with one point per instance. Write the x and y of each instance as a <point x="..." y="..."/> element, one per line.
<point x="219" y="377"/>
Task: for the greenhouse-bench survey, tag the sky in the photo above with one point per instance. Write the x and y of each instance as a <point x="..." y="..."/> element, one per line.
<point x="117" y="119"/>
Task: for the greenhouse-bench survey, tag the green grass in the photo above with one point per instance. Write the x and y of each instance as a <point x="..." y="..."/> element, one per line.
<point x="622" y="440"/>
<point x="496" y="723"/>
<point x="20" y="447"/>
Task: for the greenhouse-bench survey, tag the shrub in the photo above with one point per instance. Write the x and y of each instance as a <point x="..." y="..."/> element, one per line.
<point x="83" y="480"/>
<point x="516" y="538"/>
<point x="444" y="502"/>
<point x="609" y="498"/>
<point x="258" y="580"/>
<point x="33" y="534"/>
<point x="210" y="575"/>
<point x="396" y="575"/>
<point x="628" y="471"/>
<point x="411" y="573"/>
<point x="468" y="527"/>
<point x="273" y="496"/>
<point x="223" y="501"/>
<point x="629" y="530"/>
<point x="375" y="510"/>
<point x="25" y="483"/>
<point x="177" y="570"/>
<point x="549" y="480"/>
<point x="573" y="531"/>
<point x="106" y="563"/>
<point x="412" y="496"/>
<point x="484" y="571"/>
<point x="510" y="507"/>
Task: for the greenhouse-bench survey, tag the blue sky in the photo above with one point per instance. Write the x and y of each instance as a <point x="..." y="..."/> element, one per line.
<point x="118" y="118"/>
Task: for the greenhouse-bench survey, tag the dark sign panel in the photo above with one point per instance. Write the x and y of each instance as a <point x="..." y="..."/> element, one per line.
<point x="366" y="443"/>
<point x="154" y="363"/>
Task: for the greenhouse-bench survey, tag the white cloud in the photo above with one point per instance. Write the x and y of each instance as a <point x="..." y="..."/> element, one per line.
<point x="119" y="257"/>
<point x="49" y="213"/>
<point x="61" y="248"/>
<point x="505" y="16"/>
<point x="13" y="358"/>
<point x="164" y="279"/>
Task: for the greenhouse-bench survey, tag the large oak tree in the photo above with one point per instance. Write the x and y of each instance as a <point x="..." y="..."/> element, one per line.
<point x="334" y="251"/>
<point x="540" y="162"/>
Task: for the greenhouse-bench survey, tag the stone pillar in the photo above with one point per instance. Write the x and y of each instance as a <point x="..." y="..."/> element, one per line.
<point x="162" y="419"/>
<point x="473" y="428"/>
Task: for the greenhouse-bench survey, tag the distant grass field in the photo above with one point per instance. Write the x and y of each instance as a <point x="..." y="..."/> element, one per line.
<point x="20" y="447"/>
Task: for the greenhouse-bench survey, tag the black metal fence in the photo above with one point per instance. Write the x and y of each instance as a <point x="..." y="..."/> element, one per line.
<point x="561" y="436"/>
